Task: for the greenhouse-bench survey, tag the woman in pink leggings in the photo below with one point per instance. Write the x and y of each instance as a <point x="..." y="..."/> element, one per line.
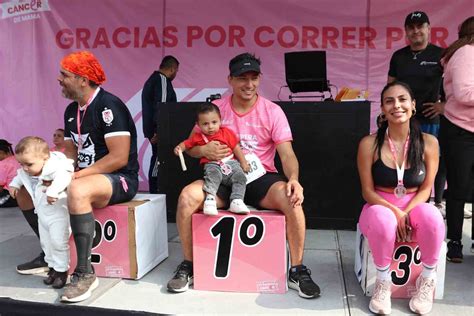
<point x="397" y="168"/>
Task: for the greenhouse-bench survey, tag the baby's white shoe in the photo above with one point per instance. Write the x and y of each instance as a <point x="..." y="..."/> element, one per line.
<point x="238" y="206"/>
<point x="210" y="206"/>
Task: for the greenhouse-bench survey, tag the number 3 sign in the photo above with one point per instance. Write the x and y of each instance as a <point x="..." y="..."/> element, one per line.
<point x="240" y="253"/>
<point x="405" y="268"/>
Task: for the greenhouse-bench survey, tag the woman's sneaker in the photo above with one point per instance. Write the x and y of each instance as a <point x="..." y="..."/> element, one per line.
<point x="380" y="302"/>
<point x="238" y="206"/>
<point x="210" y="206"/>
<point x="35" y="266"/>
<point x="422" y="302"/>
<point x="454" y="251"/>
<point x="299" y="279"/>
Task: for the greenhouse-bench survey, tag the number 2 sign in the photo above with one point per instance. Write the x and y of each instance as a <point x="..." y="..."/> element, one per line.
<point x="240" y="253"/>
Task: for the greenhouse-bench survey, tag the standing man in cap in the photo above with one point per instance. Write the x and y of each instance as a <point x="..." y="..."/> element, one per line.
<point x="263" y="129"/>
<point x="157" y="89"/>
<point x="100" y="135"/>
<point x="419" y="66"/>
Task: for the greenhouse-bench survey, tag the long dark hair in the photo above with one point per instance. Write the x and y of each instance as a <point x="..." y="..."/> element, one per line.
<point x="417" y="145"/>
<point x="5" y="146"/>
<point x="466" y="37"/>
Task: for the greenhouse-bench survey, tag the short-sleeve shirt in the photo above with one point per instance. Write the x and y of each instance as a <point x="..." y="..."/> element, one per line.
<point x="423" y="74"/>
<point x="224" y="136"/>
<point x="106" y="116"/>
<point x="260" y="130"/>
<point x="8" y="168"/>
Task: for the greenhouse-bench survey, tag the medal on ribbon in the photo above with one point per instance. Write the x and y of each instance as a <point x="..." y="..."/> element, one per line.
<point x="400" y="191"/>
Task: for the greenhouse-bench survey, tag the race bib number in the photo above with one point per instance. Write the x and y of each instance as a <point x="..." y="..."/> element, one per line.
<point x="256" y="168"/>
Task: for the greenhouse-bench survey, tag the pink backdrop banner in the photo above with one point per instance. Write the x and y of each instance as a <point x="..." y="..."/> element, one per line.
<point x="130" y="37"/>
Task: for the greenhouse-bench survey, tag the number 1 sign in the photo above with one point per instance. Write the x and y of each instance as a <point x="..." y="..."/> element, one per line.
<point x="240" y="253"/>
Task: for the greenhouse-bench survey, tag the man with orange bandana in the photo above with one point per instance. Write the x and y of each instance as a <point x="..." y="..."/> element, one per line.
<point x="100" y="135"/>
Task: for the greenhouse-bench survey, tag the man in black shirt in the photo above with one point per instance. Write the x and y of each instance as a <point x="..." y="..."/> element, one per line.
<point x="157" y="89"/>
<point x="100" y="135"/>
<point x="418" y="65"/>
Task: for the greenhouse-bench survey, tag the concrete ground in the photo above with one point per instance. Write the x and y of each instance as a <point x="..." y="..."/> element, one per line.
<point x="328" y="253"/>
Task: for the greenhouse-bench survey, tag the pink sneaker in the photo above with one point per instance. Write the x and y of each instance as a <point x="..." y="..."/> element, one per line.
<point x="380" y="302"/>
<point x="422" y="302"/>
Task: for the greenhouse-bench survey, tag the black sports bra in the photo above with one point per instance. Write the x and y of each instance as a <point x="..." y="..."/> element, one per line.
<point x="386" y="177"/>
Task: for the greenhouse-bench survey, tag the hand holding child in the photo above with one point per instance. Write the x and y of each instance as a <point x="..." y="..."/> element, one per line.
<point x="13" y="191"/>
<point x="51" y="200"/>
<point x="245" y="166"/>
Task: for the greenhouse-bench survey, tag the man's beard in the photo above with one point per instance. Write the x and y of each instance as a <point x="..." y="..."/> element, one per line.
<point x="71" y="94"/>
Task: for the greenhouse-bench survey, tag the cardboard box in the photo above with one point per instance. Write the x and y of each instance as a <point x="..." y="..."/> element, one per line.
<point x="240" y="253"/>
<point x="130" y="238"/>
<point x="405" y="268"/>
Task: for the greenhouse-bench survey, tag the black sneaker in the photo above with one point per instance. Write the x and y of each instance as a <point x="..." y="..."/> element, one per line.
<point x="182" y="279"/>
<point x="300" y="279"/>
<point x="51" y="276"/>
<point x="35" y="266"/>
<point x="454" y="251"/>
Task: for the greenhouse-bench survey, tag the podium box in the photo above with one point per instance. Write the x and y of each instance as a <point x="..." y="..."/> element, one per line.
<point x="240" y="253"/>
<point x="130" y="238"/>
<point x="404" y="269"/>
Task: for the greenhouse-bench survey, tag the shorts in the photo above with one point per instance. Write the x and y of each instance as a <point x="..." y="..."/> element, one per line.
<point x="124" y="187"/>
<point x="255" y="191"/>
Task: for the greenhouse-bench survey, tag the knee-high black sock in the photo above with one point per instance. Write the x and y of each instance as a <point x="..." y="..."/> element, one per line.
<point x="82" y="227"/>
<point x="32" y="220"/>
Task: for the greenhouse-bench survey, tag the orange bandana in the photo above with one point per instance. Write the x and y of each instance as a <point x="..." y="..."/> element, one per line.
<point x="84" y="64"/>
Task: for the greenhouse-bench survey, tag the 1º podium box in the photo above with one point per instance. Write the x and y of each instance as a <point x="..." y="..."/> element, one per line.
<point x="130" y="238"/>
<point x="240" y="253"/>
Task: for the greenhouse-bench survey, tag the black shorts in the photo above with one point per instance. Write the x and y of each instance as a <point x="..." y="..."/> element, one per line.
<point x="124" y="186"/>
<point x="255" y="191"/>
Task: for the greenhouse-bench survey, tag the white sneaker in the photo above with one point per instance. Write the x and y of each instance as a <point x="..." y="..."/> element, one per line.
<point x="238" y="206"/>
<point x="467" y="214"/>
<point x="422" y="302"/>
<point x="210" y="206"/>
<point x="380" y="302"/>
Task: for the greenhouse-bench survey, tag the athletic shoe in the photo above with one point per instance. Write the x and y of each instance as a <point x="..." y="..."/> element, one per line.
<point x="238" y="206"/>
<point x="210" y="206"/>
<point x="380" y="302"/>
<point x="467" y="214"/>
<point x="50" y="278"/>
<point x="35" y="266"/>
<point x="422" y="302"/>
<point x="454" y="251"/>
<point x="60" y="280"/>
<point x="442" y="208"/>
<point x="182" y="279"/>
<point x="300" y="279"/>
<point x="80" y="288"/>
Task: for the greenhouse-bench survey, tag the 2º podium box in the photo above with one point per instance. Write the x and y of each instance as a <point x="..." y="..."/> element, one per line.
<point x="405" y="268"/>
<point x="130" y="238"/>
<point x="240" y="253"/>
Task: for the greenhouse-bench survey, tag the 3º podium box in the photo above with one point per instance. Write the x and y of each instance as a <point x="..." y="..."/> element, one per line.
<point x="130" y="238"/>
<point x="240" y="253"/>
<point x="405" y="268"/>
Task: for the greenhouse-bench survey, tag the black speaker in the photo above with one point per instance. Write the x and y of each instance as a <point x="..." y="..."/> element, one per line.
<point x="306" y="71"/>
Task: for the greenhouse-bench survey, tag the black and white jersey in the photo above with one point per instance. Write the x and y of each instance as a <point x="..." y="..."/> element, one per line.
<point x="106" y="116"/>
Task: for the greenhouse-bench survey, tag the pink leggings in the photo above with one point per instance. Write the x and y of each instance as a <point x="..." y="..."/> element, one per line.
<point x="379" y="226"/>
